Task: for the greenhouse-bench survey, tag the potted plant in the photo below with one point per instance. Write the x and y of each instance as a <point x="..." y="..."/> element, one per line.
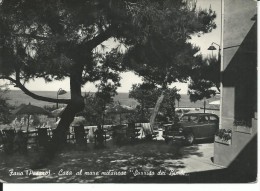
<point x="223" y="136"/>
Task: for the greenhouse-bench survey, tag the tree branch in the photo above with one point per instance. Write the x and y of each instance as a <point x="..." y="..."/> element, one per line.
<point x="94" y="42"/>
<point x="33" y="95"/>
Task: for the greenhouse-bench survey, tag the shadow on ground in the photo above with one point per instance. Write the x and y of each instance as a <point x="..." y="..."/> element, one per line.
<point x="141" y="157"/>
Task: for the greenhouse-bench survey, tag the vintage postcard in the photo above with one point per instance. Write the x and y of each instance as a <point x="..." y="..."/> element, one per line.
<point x="128" y="91"/>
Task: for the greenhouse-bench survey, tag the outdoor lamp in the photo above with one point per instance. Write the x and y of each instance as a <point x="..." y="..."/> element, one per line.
<point x="60" y="92"/>
<point x="212" y="47"/>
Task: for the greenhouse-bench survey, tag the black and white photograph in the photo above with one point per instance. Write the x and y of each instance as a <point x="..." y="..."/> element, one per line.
<point x="128" y="91"/>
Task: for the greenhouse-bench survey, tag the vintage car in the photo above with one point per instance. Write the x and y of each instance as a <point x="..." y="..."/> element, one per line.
<point x="191" y="127"/>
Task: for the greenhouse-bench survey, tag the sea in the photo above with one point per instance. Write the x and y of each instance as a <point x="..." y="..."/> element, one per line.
<point x="18" y="97"/>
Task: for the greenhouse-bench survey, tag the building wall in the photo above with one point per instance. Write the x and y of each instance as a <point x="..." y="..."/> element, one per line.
<point x="239" y="80"/>
<point x="239" y="61"/>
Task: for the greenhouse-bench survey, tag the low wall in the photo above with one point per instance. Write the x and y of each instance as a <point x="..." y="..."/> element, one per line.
<point x="241" y="142"/>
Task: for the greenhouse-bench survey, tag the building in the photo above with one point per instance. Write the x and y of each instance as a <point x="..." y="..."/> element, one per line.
<point x="238" y="110"/>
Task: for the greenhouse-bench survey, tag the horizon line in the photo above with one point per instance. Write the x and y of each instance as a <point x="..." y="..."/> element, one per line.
<point x="69" y="91"/>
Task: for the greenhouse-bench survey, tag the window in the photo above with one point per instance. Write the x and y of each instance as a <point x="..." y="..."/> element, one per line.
<point x="193" y="118"/>
<point x="189" y="118"/>
<point x="213" y="118"/>
<point x="185" y="118"/>
<point x="204" y="119"/>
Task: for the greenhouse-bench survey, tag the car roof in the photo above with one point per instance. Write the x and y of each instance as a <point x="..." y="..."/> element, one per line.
<point x="200" y="114"/>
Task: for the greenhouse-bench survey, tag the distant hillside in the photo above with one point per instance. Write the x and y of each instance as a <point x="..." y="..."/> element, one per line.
<point x="17" y="97"/>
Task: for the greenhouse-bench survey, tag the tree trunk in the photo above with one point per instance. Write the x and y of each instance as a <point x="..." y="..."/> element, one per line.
<point x="75" y="106"/>
<point x="155" y="111"/>
<point x="158" y="103"/>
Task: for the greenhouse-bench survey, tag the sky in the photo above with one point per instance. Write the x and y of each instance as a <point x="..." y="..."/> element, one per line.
<point x="129" y="78"/>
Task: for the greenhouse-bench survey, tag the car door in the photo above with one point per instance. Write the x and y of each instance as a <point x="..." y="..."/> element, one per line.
<point x="213" y="125"/>
<point x="203" y="126"/>
<point x="189" y="123"/>
<point x="194" y="126"/>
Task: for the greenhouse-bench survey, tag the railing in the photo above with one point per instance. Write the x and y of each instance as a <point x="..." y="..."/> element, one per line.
<point x="42" y="135"/>
<point x="77" y="134"/>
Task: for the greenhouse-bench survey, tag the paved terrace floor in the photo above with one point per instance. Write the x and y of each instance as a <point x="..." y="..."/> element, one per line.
<point x="141" y="157"/>
<point x="199" y="158"/>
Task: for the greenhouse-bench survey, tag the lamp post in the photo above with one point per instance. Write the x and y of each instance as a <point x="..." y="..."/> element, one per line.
<point x="204" y="104"/>
<point x="60" y="92"/>
<point x="212" y="47"/>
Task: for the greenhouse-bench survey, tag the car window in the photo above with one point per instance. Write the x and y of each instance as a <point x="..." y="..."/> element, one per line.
<point x="213" y="118"/>
<point x="189" y="118"/>
<point x="185" y="118"/>
<point x="204" y="119"/>
<point x="193" y="118"/>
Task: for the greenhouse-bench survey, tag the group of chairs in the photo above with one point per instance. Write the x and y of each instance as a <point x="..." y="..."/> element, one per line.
<point x="122" y="134"/>
<point x="80" y="136"/>
<point x="13" y="140"/>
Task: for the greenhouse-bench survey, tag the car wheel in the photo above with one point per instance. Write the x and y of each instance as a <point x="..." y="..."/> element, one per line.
<point x="189" y="138"/>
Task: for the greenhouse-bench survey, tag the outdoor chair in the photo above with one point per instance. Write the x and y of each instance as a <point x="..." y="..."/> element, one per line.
<point x="119" y="134"/>
<point x="20" y="142"/>
<point x="8" y="140"/>
<point x="1" y="137"/>
<point x="42" y="136"/>
<point x="100" y="137"/>
<point x="32" y="136"/>
<point x="62" y="139"/>
<point x="132" y="132"/>
<point x="80" y="134"/>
